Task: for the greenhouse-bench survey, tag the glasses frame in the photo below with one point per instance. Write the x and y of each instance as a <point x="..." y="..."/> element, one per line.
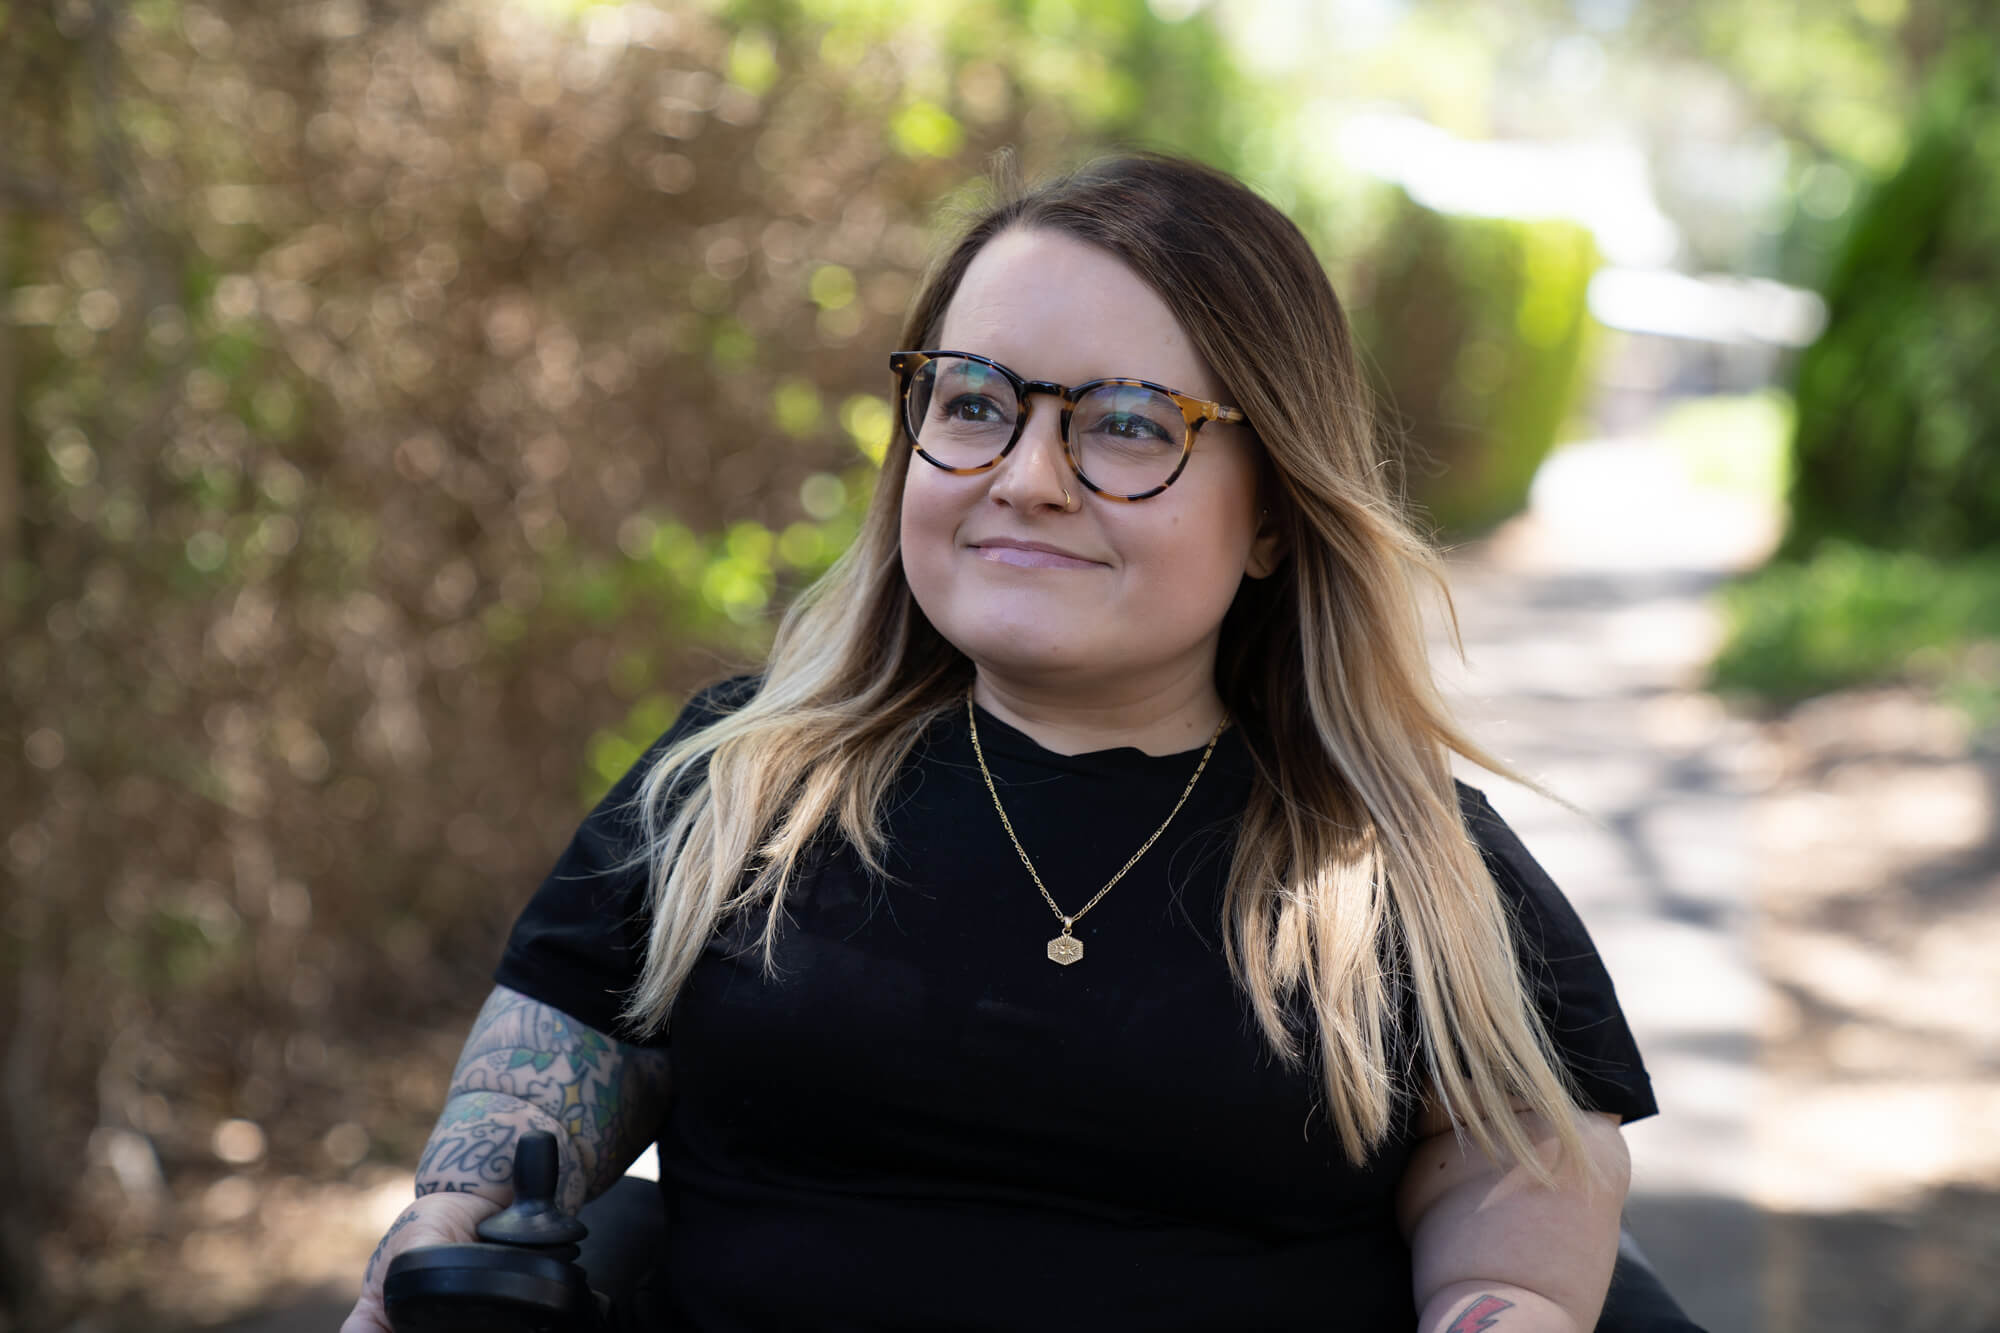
<point x="1195" y="412"/>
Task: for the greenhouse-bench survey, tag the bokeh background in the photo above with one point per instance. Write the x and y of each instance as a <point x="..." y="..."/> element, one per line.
<point x="404" y="405"/>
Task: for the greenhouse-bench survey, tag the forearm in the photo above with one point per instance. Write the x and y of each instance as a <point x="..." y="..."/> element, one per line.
<point x="528" y="1067"/>
<point x="471" y="1149"/>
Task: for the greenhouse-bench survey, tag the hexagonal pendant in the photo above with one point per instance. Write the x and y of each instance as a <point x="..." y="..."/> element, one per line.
<point x="1065" y="949"/>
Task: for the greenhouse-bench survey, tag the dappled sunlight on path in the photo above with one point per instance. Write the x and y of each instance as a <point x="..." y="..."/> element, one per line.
<point x="1587" y="629"/>
<point x="1880" y="924"/>
<point x="1800" y="914"/>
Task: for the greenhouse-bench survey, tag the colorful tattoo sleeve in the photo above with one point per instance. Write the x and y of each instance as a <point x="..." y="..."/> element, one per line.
<point x="525" y="1067"/>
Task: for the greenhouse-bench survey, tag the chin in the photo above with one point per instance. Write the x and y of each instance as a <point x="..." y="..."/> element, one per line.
<point x="1020" y="652"/>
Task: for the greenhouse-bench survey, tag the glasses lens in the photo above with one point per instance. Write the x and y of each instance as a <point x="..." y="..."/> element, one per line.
<point x="960" y="412"/>
<point x="1126" y="439"/>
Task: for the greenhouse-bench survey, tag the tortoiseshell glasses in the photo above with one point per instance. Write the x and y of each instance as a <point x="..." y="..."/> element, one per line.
<point x="1125" y="439"/>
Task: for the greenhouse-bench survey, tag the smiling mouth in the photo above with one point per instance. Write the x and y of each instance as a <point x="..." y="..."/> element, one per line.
<point x="1023" y="556"/>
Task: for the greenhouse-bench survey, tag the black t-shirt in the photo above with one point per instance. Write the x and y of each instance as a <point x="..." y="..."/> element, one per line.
<point x="923" y="1123"/>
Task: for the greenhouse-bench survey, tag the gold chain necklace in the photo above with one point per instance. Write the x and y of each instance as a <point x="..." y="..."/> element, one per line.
<point x="1066" y="948"/>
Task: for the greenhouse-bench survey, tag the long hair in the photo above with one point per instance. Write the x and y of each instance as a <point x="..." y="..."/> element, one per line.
<point x="1357" y="906"/>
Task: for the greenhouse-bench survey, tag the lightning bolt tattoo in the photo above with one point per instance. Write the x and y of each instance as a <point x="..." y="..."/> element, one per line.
<point x="1479" y="1316"/>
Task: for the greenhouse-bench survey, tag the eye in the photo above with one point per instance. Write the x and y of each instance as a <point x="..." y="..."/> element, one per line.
<point x="1128" y="429"/>
<point x="1129" y="426"/>
<point x="1129" y="418"/>
<point x="973" y="407"/>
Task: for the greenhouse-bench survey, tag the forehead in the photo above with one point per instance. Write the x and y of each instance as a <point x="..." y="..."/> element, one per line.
<point x="1052" y="307"/>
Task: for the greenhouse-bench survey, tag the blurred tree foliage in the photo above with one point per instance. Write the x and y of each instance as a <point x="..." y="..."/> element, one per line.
<point x="399" y="401"/>
<point x="1477" y="331"/>
<point x="392" y="399"/>
<point x="1888" y="567"/>
<point x="1898" y="437"/>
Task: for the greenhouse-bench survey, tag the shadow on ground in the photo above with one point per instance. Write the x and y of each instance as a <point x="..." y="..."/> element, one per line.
<point x="1927" y="1267"/>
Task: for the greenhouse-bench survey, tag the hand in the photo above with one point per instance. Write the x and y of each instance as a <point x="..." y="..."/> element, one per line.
<point x="434" y="1219"/>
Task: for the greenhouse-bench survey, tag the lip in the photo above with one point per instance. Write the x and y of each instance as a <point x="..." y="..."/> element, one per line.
<point x="1029" y="555"/>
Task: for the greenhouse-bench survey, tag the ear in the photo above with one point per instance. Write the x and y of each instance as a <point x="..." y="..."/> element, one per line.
<point x="1267" y="549"/>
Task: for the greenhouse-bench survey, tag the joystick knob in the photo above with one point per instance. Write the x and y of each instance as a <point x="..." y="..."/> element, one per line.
<point x="533" y="1220"/>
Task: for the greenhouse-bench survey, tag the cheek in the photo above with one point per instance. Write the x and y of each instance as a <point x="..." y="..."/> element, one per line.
<point x="1199" y="563"/>
<point x="927" y="525"/>
<point x="1202" y="574"/>
<point x="1208" y="543"/>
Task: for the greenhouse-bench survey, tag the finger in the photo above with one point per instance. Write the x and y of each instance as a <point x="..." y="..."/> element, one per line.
<point x="366" y="1317"/>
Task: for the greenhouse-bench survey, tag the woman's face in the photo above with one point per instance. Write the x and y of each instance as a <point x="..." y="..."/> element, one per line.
<point x="1124" y="597"/>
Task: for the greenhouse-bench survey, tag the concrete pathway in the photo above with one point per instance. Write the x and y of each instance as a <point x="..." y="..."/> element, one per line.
<point x="1587" y="625"/>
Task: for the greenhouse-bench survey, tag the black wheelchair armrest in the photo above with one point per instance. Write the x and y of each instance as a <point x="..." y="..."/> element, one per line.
<point x="628" y="1233"/>
<point x="1638" y="1301"/>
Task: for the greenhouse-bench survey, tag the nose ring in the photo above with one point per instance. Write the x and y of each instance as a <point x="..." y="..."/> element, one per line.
<point x="1067" y="501"/>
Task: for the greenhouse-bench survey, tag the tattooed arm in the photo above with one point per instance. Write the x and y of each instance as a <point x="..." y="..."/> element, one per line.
<point x="1491" y="1249"/>
<point x="525" y="1067"/>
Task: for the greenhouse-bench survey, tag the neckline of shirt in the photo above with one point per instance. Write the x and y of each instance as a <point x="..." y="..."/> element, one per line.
<point x="997" y="736"/>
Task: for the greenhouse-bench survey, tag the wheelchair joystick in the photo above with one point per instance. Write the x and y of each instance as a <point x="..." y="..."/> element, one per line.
<point x="518" y="1279"/>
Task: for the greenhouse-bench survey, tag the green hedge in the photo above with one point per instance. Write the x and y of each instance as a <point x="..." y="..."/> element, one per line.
<point x="1852" y="615"/>
<point x="1478" y="334"/>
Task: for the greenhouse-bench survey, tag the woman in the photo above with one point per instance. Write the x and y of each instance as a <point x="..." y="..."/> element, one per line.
<point x="1077" y="923"/>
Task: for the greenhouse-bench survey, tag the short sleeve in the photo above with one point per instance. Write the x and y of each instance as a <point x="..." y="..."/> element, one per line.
<point x="580" y="943"/>
<point x="1564" y="975"/>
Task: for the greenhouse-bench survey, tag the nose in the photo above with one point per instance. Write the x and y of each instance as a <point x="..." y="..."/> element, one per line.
<point x="1036" y="474"/>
